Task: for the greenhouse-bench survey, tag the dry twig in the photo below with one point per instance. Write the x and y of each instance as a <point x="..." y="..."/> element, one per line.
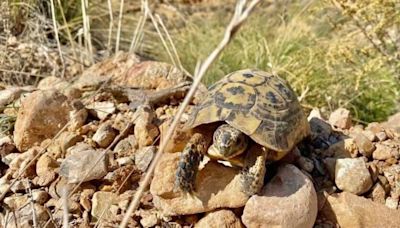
<point x="65" y="207"/>
<point x="121" y="9"/>
<point x="86" y="30"/>
<point x="240" y="15"/>
<point x="110" y="29"/>
<point x="53" y="15"/>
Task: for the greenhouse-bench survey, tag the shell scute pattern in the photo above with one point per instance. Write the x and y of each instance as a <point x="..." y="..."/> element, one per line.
<point x="259" y="104"/>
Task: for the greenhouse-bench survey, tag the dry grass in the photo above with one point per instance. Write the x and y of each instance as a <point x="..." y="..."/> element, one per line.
<point x="323" y="55"/>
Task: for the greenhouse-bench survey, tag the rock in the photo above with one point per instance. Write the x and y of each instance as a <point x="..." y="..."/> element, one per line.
<point x="126" y="147"/>
<point x="220" y="218"/>
<point x="217" y="186"/>
<point x="77" y="116"/>
<point x="288" y="200"/>
<point x="364" y="145"/>
<point x="330" y="165"/>
<point x="46" y="164"/>
<point x="41" y="116"/>
<point x="19" y="186"/>
<point x="153" y="75"/>
<point x="378" y="194"/>
<point x="40" y="196"/>
<point x="178" y="140"/>
<point x="53" y="82"/>
<point x="393" y="122"/>
<point x="392" y="174"/>
<point x="79" y="147"/>
<point x="45" y="179"/>
<point x="320" y="128"/>
<point x="6" y="146"/>
<point x="340" y="118"/>
<point x="392" y="202"/>
<point x="125" y="161"/>
<point x="58" y="187"/>
<point x="149" y="219"/>
<point x="11" y="94"/>
<point x="346" y="148"/>
<point x="105" y="135"/>
<point x="68" y="139"/>
<point x="101" y="109"/>
<point x="7" y="159"/>
<point x="348" y="211"/>
<point x="144" y="156"/>
<point x="24" y="216"/>
<point x="352" y="175"/>
<point x="46" y="169"/>
<point x="370" y="135"/>
<point x="73" y="207"/>
<point x="145" y="131"/>
<point x="385" y="151"/>
<point x="102" y="201"/>
<point x="384" y="182"/>
<point x="16" y="202"/>
<point x="84" y="166"/>
<point x="373" y="171"/>
<point x="20" y="162"/>
<point x="381" y="136"/>
<point x="114" y="67"/>
<point x="305" y="164"/>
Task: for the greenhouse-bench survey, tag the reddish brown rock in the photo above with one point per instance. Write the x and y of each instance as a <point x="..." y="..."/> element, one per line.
<point x="349" y="211"/>
<point x="217" y="186"/>
<point x="340" y="118"/>
<point x="288" y="200"/>
<point x="220" y="218"/>
<point x="364" y="145"/>
<point x="42" y="115"/>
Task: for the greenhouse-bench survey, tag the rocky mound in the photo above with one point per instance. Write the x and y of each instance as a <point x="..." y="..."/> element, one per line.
<point x="81" y="148"/>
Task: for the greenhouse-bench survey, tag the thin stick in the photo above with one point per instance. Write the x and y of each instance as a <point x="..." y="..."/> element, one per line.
<point x="110" y="28"/>
<point x="121" y="9"/>
<point x="24" y="73"/>
<point x="120" y="187"/>
<point x="65" y="207"/>
<point x="139" y="33"/>
<point x="80" y="32"/>
<point x="170" y="41"/>
<point x="101" y="156"/>
<point x="53" y="14"/>
<point x="135" y="34"/>
<point x="86" y="30"/>
<point x="159" y="33"/>
<point x="238" y="18"/>
<point x="71" y="41"/>
<point x="34" y="217"/>
<point x="33" y="160"/>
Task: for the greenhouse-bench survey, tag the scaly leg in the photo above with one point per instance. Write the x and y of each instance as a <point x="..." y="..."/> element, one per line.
<point x="253" y="172"/>
<point x="189" y="163"/>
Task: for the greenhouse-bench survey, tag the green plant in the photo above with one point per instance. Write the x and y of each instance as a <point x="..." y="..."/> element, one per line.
<point x="326" y="59"/>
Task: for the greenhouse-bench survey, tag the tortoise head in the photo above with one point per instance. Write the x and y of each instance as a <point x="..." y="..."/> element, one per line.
<point x="228" y="142"/>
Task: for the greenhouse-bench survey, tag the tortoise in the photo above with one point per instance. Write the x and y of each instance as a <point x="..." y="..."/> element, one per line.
<point x="247" y="110"/>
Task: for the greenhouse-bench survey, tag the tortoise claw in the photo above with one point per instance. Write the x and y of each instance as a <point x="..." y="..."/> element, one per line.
<point x="188" y="165"/>
<point x="253" y="172"/>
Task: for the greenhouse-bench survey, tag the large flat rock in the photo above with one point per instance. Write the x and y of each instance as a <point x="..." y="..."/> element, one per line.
<point x="350" y="211"/>
<point x="217" y="186"/>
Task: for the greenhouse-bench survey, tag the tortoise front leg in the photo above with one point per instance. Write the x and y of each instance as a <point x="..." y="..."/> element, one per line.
<point x="189" y="162"/>
<point x="253" y="173"/>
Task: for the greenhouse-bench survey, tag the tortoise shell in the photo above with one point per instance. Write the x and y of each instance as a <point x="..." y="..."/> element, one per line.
<point x="260" y="104"/>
